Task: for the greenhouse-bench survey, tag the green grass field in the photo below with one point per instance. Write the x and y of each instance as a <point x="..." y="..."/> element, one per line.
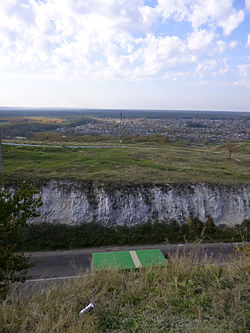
<point x="137" y="163"/>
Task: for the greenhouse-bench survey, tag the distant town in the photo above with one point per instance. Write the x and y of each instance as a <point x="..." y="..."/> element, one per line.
<point x="191" y="130"/>
<point x="198" y="127"/>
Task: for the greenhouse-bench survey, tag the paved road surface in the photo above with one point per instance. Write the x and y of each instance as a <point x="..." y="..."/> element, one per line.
<point x="61" y="264"/>
<point x="58" y="267"/>
<point x="51" y="146"/>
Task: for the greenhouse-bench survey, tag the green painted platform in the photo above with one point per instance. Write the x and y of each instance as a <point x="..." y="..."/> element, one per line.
<point x="127" y="259"/>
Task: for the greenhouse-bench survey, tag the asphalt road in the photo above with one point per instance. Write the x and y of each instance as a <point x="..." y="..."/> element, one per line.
<point x="52" y="146"/>
<point x="59" y="267"/>
<point x="55" y="265"/>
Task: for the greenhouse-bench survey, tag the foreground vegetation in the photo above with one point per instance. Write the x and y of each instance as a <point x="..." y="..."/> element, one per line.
<point x="47" y="236"/>
<point x="184" y="296"/>
<point x="16" y="208"/>
<point x="137" y="163"/>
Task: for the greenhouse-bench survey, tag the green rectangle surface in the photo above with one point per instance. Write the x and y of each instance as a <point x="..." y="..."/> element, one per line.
<point x="151" y="257"/>
<point x="111" y="260"/>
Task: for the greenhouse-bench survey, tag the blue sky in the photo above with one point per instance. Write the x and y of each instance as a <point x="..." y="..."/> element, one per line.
<point x="146" y="54"/>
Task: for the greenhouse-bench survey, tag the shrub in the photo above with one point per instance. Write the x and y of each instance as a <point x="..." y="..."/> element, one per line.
<point x="47" y="236"/>
<point x="16" y="208"/>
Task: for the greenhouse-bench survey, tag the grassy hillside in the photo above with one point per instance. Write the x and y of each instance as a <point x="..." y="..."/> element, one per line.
<point x="184" y="296"/>
<point x="138" y="163"/>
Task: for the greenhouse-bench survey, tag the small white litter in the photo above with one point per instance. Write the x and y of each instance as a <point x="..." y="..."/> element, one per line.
<point x="87" y="308"/>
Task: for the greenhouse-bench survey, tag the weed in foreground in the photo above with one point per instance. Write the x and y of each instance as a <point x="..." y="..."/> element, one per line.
<point x="187" y="295"/>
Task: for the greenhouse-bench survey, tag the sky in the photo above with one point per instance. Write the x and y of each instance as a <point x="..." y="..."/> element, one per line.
<point x="132" y="54"/>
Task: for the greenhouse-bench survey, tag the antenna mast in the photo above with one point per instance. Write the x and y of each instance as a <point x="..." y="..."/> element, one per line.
<point x="120" y="128"/>
<point x="1" y="154"/>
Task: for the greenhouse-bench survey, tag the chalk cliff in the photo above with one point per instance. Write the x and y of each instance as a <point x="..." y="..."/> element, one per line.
<point x="72" y="202"/>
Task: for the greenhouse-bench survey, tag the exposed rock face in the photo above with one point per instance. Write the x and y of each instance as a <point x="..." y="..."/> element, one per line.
<point x="73" y="202"/>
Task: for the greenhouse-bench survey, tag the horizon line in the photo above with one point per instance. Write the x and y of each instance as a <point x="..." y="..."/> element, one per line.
<point x="115" y="109"/>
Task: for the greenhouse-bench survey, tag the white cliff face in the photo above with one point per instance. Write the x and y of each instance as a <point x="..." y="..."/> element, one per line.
<point x="73" y="202"/>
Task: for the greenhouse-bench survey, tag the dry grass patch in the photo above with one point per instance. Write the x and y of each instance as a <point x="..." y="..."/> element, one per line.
<point x="187" y="295"/>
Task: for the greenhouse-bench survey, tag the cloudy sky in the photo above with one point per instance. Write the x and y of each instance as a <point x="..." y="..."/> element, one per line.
<point x="148" y="54"/>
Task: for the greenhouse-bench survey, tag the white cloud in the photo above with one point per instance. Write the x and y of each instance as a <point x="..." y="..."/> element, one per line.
<point x="177" y="9"/>
<point x="212" y="67"/>
<point x="205" y="66"/>
<point x="102" y="39"/>
<point x="199" y="12"/>
<point x="233" y="44"/>
<point x="149" y="16"/>
<point x="228" y="24"/>
<point x="244" y="73"/>
<point x="248" y="40"/>
<point x="220" y="47"/>
<point x="247" y="5"/>
<point x="223" y="66"/>
<point x="242" y="83"/>
<point x="200" y="39"/>
<point x="66" y="35"/>
<point x="160" y="54"/>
